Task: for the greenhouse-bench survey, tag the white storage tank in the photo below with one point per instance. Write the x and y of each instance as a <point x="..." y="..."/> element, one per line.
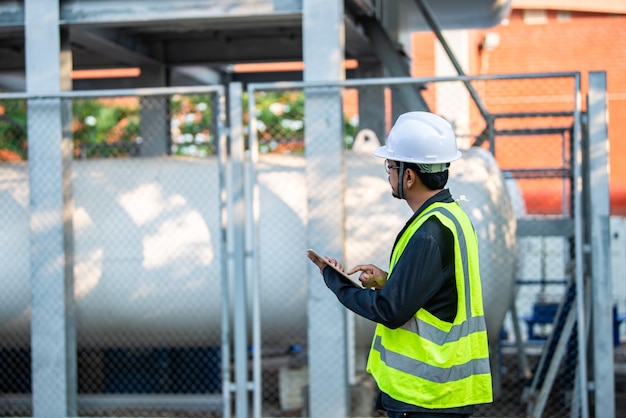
<point x="148" y="245"/>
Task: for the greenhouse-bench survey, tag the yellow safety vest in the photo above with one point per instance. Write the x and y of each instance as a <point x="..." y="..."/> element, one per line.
<point x="429" y="362"/>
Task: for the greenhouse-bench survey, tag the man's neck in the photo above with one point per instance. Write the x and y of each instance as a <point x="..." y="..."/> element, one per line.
<point x="420" y="197"/>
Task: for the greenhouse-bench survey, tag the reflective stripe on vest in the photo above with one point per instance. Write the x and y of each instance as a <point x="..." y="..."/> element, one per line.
<point x="428" y="372"/>
<point x="429" y="362"/>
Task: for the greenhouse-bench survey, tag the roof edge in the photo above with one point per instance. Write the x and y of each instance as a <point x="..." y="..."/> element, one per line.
<point x="604" y="6"/>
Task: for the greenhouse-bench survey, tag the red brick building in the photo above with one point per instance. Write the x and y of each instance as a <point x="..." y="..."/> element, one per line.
<point x="554" y="36"/>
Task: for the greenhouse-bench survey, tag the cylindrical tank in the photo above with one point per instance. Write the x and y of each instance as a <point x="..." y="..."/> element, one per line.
<point x="147" y="236"/>
<point x="147" y="252"/>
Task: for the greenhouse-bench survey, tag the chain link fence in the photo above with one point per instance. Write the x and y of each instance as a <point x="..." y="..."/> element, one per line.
<point x="147" y="256"/>
<point x="149" y="231"/>
<point x="530" y="130"/>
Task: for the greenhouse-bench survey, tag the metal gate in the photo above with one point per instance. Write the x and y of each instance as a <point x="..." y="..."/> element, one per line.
<point x="317" y="185"/>
<point x="145" y="325"/>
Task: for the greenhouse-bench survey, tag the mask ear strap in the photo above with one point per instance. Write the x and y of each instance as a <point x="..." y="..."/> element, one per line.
<point x="401" y="180"/>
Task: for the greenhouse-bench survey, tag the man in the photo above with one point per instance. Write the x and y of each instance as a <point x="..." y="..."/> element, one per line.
<point x="429" y="355"/>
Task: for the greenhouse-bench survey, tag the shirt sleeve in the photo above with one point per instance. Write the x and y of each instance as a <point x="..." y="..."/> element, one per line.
<point x="416" y="277"/>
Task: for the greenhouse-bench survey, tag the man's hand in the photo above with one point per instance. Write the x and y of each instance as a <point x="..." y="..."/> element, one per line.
<point x="371" y="276"/>
<point x="321" y="264"/>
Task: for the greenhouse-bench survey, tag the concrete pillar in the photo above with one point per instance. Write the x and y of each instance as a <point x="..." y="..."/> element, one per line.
<point x="53" y="335"/>
<point x="154" y="125"/>
<point x="372" y="100"/>
<point x="323" y="53"/>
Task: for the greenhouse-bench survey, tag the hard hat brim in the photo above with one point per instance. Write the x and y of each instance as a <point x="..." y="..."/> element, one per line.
<point x="383" y="152"/>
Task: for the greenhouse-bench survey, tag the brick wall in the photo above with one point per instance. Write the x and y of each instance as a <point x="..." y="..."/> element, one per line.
<point x="581" y="42"/>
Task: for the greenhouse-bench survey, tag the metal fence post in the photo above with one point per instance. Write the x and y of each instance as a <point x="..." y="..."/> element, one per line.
<point x="604" y="376"/>
<point x="235" y="244"/>
<point x="323" y="121"/>
<point x="53" y="344"/>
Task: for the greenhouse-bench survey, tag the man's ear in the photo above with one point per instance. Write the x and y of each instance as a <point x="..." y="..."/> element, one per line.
<point x="410" y="176"/>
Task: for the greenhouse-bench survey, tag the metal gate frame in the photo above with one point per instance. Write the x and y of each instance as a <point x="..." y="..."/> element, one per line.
<point x="64" y="317"/>
<point x="576" y="224"/>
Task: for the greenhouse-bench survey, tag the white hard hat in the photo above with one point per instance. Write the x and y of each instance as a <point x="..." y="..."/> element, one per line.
<point x="421" y="138"/>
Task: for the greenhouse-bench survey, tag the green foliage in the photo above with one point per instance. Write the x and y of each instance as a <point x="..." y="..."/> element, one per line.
<point x="280" y="122"/>
<point x="13" y="127"/>
<point x="192" y="125"/>
<point x="350" y="129"/>
<point x="110" y="127"/>
<point x="106" y="127"/>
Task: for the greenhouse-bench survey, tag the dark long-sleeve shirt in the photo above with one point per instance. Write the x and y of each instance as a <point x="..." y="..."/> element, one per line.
<point x="423" y="277"/>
